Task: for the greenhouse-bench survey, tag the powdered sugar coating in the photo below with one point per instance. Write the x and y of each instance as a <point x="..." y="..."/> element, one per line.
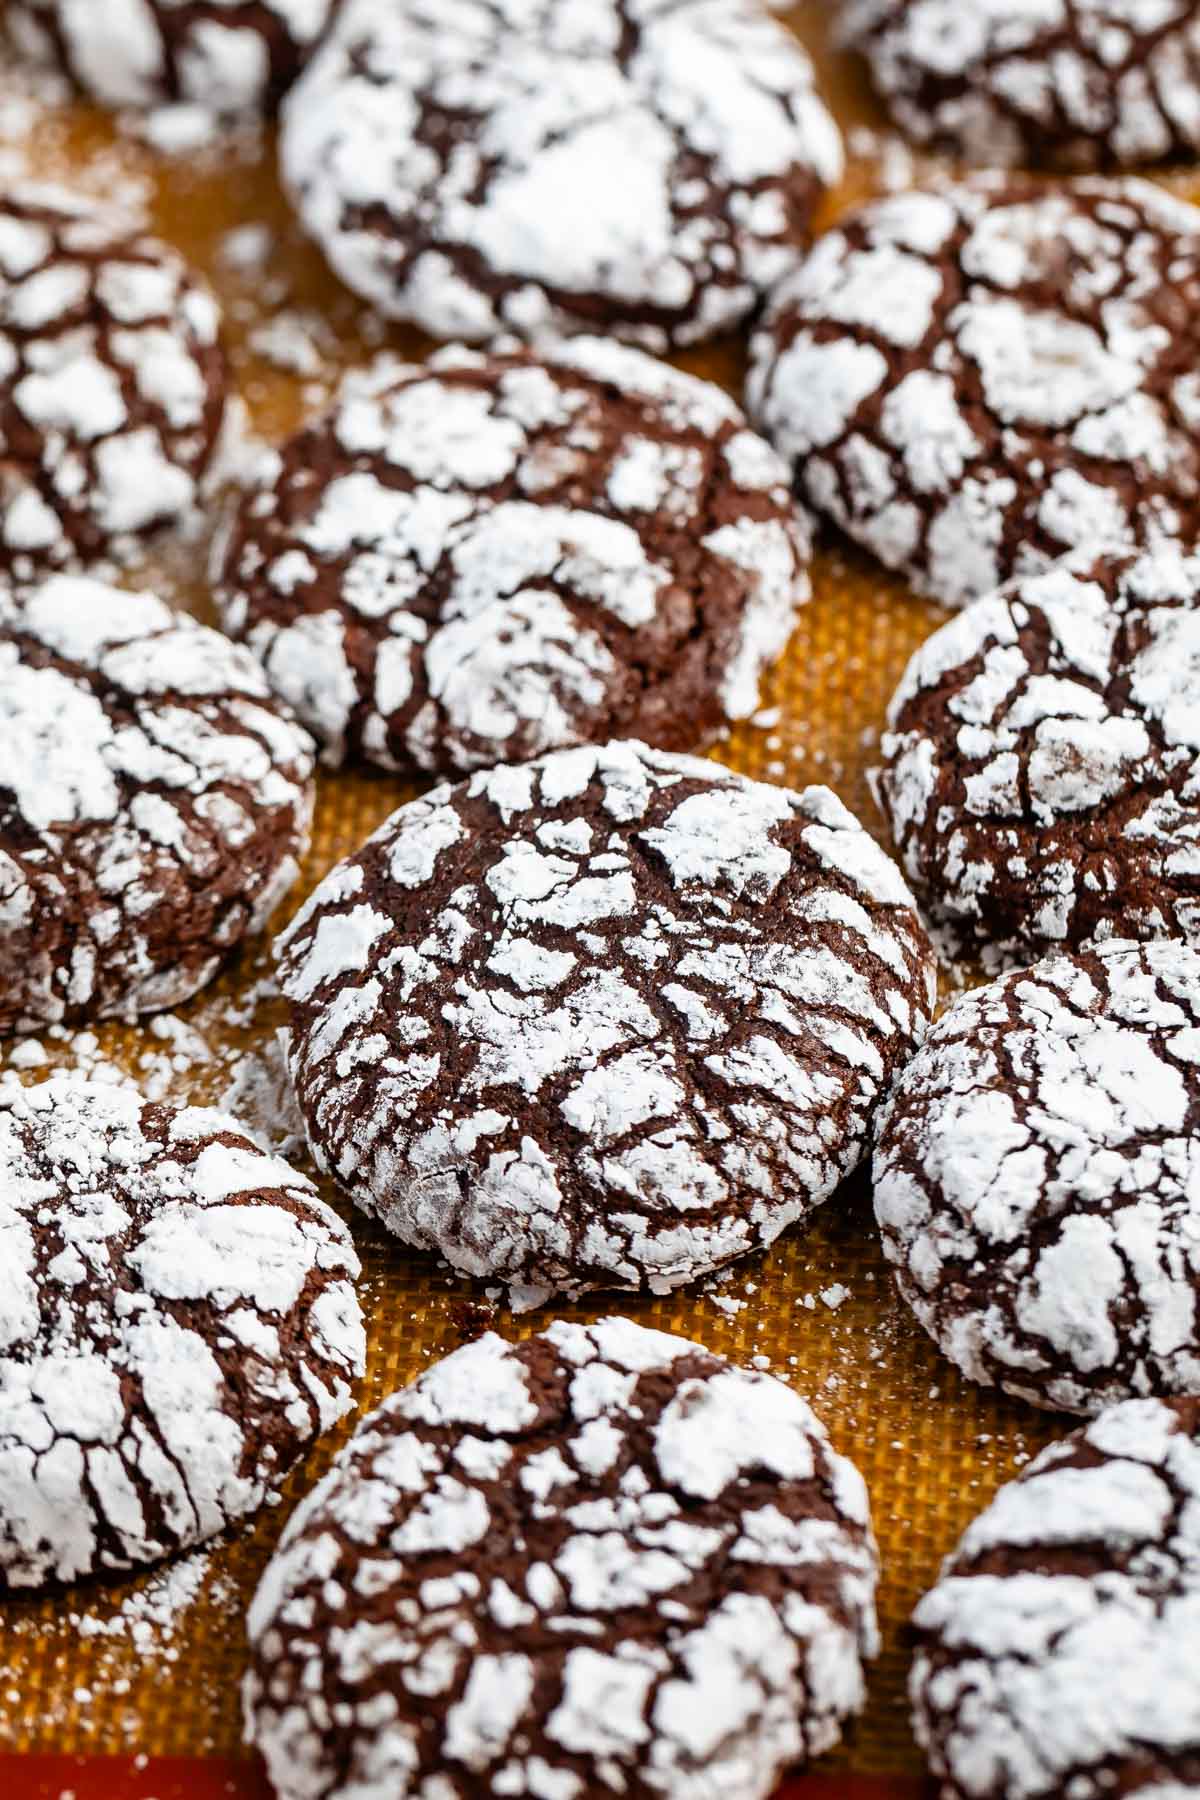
<point x="609" y="1019"/>
<point x="1057" y="1654"/>
<point x="155" y="800"/>
<point x="177" y="1323"/>
<point x="972" y="381"/>
<point x="1041" y="766"/>
<point x="112" y="384"/>
<point x="494" y="556"/>
<point x="473" y="166"/>
<point x="1037" y="1175"/>
<point x="234" y="56"/>
<point x="604" y="1560"/>
<point x="1043" y="81"/>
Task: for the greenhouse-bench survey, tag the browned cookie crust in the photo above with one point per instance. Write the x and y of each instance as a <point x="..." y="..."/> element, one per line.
<point x="609" y="1019"/>
<point x="113" y="383"/>
<point x="177" y="1324"/>
<point x="1036" y="1178"/>
<point x="233" y="56"/>
<point x="1057" y="1655"/>
<point x="1057" y="83"/>
<point x="972" y="381"/>
<point x="154" y="799"/>
<point x="646" y="167"/>
<point x="1041" y="765"/>
<point x="602" y="1561"/>
<point x="494" y="556"/>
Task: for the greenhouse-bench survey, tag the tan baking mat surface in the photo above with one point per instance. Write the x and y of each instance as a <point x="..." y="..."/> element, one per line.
<point x="152" y="1667"/>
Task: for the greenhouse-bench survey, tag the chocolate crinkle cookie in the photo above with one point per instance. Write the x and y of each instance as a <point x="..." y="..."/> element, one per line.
<point x="1054" y="83"/>
<point x="494" y="556"/>
<point x="1037" y="1178"/>
<point x="154" y="799"/>
<point x="1041" y="765"/>
<point x="177" y="1324"/>
<point x="609" y="1019"/>
<point x="646" y="167"/>
<point x="114" y="412"/>
<point x="602" y="1561"/>
<point x="1057" y="1655"/>
<point x="972" y="381"/>
<point x="232" y="56"/>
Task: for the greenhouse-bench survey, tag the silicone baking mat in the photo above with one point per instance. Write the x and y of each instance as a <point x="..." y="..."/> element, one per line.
<point x="129" y="1691"/>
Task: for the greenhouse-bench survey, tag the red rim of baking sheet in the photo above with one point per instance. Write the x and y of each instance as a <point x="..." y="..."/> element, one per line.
<point x="216" y="1778"/>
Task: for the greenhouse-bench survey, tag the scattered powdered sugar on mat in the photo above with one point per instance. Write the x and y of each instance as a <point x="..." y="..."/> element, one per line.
<point x="590" y="1563"/>
<point x="147" y="1617"/>
<point x="260" y="1094"/>
<point x="229" y="1053"/>
<point x="108" y="1641"/>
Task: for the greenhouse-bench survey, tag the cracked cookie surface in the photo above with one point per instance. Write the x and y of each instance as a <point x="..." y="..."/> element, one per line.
<point x="1036" y="1176"/>
<point x="1049" y="82"/>
<point x="1041" y="764"/>
<point x="973" y="381"/>
<point x="178" y="1323"/>
<point x="645" y="167"/>
<point x="609" y="1019"/>
<point x="113" y="385"/>
<point x="494" y="556"/>
<point x="1056" y="1656"/>
<point x="232" y="56"/>
<point x="154" y="800"/>
<point x="601" y="1561"/>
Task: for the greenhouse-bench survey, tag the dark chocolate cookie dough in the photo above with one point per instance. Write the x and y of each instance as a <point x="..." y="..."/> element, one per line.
<point x="177" y="1324"/>
<point x="1052" y="83"/>
<point x="645" y="167"/>
<point x="609" y="1019"/>
<point x="602" y="1561"/>
<point x="1037" y="1178"/>
<point x="233" y="56"/>
<point x="1041" y="765"/>
<point x="973" y="380"/>
<point x="1057" y="1655"/>
<point x="154" y="800"/>
<point x="113" y="383"/>
<point x="496" y="555"/>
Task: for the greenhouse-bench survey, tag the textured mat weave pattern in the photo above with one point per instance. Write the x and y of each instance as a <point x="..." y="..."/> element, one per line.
<point x="79" y="1675"/>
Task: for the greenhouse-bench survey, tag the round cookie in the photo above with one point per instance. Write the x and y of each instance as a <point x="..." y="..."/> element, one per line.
<point x="1056" y="1656"/>
<point x="154" y="803"/>
<point x="974" y="380"/>
<point x="1053" y="83"/>
<point x="233" y="56"/>
<point x="113" y="384"/>
<point x="474" y="166"/>
<point x="609" y="1019"/>
<point x="601" y="1561"/>
<point x="1041" y="766"/>
<point x="178" y="1323"/>
<point x="494" y="556"/>
<point x="1037" y="1178"/>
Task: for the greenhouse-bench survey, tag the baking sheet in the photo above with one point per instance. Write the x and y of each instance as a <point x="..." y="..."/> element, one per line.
<point x="150" y="1668"/>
